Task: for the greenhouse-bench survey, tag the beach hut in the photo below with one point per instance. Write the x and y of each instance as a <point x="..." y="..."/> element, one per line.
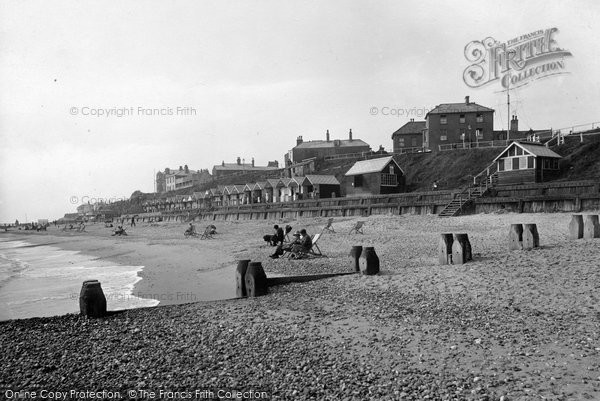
<point x="273" y="192"/>
<point x="526" y="162"/>
<point x="374" y="177"/>
<point x="319" y="186"/>
<point x="258" y="192"/>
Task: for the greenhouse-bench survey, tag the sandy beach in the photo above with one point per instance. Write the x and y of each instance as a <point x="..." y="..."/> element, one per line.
<point x="519" y="325"/>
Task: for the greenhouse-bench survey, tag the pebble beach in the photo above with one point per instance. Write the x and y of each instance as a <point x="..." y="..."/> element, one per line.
<point x="509" y="325"/>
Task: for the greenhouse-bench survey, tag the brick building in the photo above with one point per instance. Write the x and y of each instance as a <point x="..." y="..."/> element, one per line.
<point x="410" y="135"/>
<point x="240" y="166"/>
<point x="458" y="123"/>
<point x="320" y="148"/>
<point x="172" y="179"/>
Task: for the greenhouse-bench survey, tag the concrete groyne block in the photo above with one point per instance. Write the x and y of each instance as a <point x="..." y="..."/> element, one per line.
<point x="531" y="238"/>
<point x="92" y="302"/>
<point x="576" y="227"/>
<point x="515" y="237"/>
<point x="355" y="253"/>
<point x="256" y="280"/>
<point x="369" y="261"/>
<point x="461" y="249"/>
<point x="591" y="227"/>
<point x="240" y="277"/>
<point x="445" y="249"/>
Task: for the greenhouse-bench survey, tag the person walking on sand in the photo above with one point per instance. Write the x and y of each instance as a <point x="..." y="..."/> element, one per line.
<point x="133" y="221"/>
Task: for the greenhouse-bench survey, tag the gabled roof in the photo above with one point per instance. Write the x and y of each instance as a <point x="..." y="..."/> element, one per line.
<point x="448" y="108"/>
<point x="532" y="148"/>
<point x="343" y="143"/>
<point x="286" y="182"/>
<point x="272" y="183"/>
<point x="248" y="187"/>
<point x="260" y="185"/>
<point x="228" y="189"/>
<point x="239" y="188"/>
<point x="322" y="179"/>
<point x="411" y="127"/>
<point x="371" y="166"/>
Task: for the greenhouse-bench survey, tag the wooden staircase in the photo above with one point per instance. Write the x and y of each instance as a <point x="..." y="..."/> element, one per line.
<point x="459" y="203"/>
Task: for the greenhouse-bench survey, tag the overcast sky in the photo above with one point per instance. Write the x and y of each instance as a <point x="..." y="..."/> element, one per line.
<point x="257" y="73"/>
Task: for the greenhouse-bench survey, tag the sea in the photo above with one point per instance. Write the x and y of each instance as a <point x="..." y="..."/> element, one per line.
<point x="43" y="280"/>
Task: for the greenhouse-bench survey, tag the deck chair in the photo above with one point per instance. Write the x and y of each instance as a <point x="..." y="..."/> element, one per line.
<point x="329" y="226"/>
<point x="314" y="250"/>
<point x="208" y="232"/>
<point x="358" y="227"/>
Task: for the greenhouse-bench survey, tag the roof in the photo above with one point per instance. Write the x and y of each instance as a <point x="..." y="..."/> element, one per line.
<point x="322" y="179"/>
<point x="411" y="127"/>
<point x="533" y="148"/>
<point x="343" y="143"/>
<point x="448" y="108"/>
<point x="370" y="166"/>
<point x="245" y="167"/>
<point x="260" y="185"/>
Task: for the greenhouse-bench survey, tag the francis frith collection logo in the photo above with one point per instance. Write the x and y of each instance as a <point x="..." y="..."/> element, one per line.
<point x="515" y="63"/>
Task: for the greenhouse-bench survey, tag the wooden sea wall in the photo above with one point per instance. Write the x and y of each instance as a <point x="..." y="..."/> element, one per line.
<point x="573" y="196"/>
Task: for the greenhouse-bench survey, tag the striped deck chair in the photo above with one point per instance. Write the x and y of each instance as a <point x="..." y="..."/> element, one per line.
<point x="358" y="228"/>
<point x="329" y="226"/>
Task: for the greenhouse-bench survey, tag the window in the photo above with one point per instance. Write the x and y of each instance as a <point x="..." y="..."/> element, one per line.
<point x="479" y="118"/>
<point x="522" y="163"/>
<point x="515" y="163"/>
<point x="358" y="181"/>
<point x="389" y="179"/>
<point x="400" y="142"/>
<point x="501" y="165"/>
<point x="461" y="119"/>
<point x="530" y="162"/>
<point x="391" y="169"/>
<point x="443" y="135"/>
<point x="443" y="119"/>
<point x="519" y="151"/>
<point x="478" y="133"/>
<point x="414" y="142"/>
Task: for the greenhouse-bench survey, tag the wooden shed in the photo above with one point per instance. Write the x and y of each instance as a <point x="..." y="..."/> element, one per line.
<point x="374" y="177"/>
<point x="526" y="162"/>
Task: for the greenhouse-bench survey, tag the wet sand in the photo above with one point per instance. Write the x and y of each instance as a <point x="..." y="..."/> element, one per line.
<point x="519" y="325"/>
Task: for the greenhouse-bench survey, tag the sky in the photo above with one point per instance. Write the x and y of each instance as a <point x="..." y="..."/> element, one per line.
<point x="79" y="81"/>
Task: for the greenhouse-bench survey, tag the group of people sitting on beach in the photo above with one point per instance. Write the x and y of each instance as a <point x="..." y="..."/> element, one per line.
<point x="119" y="231"/>
<point x="301" y="244"/>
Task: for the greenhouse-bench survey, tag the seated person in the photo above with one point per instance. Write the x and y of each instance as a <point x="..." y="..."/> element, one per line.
<point x="191" y="230"/>
<point x="304" y="245"/>
<point x="119" y="231"/>
<point x="301" y="244"/>
<point x="278" y="237"/>
<point x="212" y="230"/>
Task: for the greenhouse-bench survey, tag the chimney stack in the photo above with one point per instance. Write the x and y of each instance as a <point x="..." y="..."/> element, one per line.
<point x="239" y="161"/>
<point x="253" y="162"/>
<point x="186" y="168"/>
<point x="412" y="120"/>
<point x="223" y="163"/>
<point x="327" y="135"/>
<point x="299" y="140"/>
<point x="467" y="100"/>
<point x="514" y="124"/>
<point x="350" y="135"/>
<point x="180" y="168"/>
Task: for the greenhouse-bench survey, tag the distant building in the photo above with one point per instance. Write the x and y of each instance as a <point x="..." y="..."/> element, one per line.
<point x="526" y="162"/>
<point x="240" y="166"/>
<point x="530" y="135"/>
<point x="374" y="177"/>
<point x="410" y="135"/>
<point x="319" y="149"/>
<point x="85" y="209"/>
<point x="172" y="179"/>
<point x="454" y="123"/>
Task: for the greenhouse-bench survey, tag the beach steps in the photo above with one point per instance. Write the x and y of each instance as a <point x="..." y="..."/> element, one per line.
<point x="457" y="205"/>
